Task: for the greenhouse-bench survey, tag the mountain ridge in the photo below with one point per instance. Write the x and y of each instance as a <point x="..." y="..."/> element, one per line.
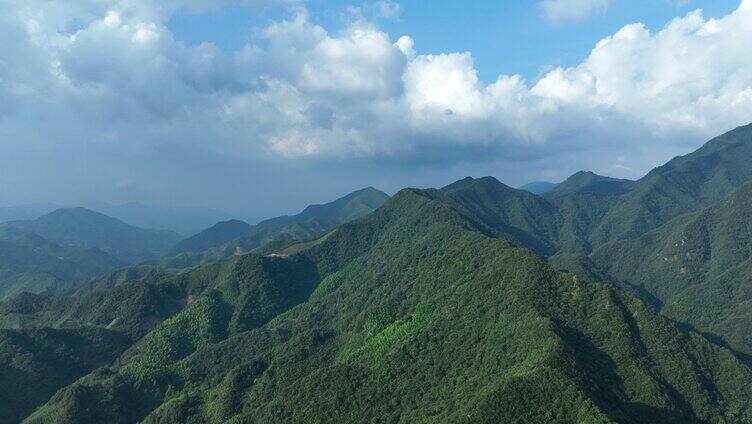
<point x="401" y="296"/>
<point x="222" y="242"/>
<point x="85" y="228"/>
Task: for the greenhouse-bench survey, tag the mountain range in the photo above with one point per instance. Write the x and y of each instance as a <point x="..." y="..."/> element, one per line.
<point x="600" y="300"/>
<point x="84" y="228"/>
<point x="229" y="238"/>
<point x="185" y="221"/>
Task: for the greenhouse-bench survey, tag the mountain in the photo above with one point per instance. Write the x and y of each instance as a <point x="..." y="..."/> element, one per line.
<point x="498" y="210"/>
<point x="182" y="220"/>
<point x="585" y="182"/>
<point x="38" y="362"/>
<point x="602" y="300"/>
<point x="230" y="238"/>
<point x="80" y="227"/>
<point x="218" y="234"/>
<point x="685" y="184"/>
<point x="30" y="263"/>
<point x="538" y="187"/>
<point x="421" y="311"/>
<point x="698" y="265"/>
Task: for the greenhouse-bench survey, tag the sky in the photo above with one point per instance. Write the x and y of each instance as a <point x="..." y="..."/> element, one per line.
<point x="260" y="107"/>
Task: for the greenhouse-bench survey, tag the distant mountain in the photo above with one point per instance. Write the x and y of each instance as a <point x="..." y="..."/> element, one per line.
<point x="217" y="235"/>
<point x="29" y="263"/>
<point x="446" y="300"/>
<point x="585" y="182"/>
<point x="84" y="228"/>
<point x="538" y="187"/>
<point x="401" y="304"/>
<point x="182" y="220"/>
<point x="498" y="209"/>
<point x="222" y="240"/>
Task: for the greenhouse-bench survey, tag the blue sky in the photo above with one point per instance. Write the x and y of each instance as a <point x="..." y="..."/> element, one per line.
<point x="261" y="107"/>
<point x="511" y="37"/>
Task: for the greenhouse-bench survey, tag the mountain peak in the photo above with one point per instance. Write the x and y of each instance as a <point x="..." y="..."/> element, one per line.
<point x="588" y="182"/>
<point x="78" y="212"/>
<point x="474" y="183"/>
<point x="85" y="228"/>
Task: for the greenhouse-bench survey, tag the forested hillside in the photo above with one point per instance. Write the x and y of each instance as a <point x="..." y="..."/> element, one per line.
<point x="29" y="263"/>
<point x="603" y="300"/>
<point x="412" y="303"/>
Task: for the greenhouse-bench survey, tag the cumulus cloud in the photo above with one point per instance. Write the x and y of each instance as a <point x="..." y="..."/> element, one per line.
<point x="110" y="74"/>
<point x="571" y="10"/>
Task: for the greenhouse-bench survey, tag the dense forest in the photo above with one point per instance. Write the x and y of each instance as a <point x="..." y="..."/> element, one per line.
<point x="594" y="300"/>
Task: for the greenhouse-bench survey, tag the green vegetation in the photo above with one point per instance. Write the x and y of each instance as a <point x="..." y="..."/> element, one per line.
<point x="227" y="239"/>
<point x="602" y="301"/>
<point x="220" y="233"/>
<point x="79" y="227"/>
<point x="34" y="364"/>
<point x="698" y="266"/>
<point x="419" y="317"/>
<point x="29" y="263"/>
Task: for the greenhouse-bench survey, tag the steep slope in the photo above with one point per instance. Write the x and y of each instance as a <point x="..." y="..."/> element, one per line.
<point x="81" y="227"/>
<point x="314" y="220"/>
<point x="501" y="210"/>
<point x="31" y="263"/>
<point x="685" y="184"/>
<point x="34" y="364"/>
<point x="699" y="265"/>
<point x="419" y="316"/>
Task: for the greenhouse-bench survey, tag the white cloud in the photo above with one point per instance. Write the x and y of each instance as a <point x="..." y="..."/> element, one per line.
<point x="571" y="10"/>
<point x="112" y="74"/>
